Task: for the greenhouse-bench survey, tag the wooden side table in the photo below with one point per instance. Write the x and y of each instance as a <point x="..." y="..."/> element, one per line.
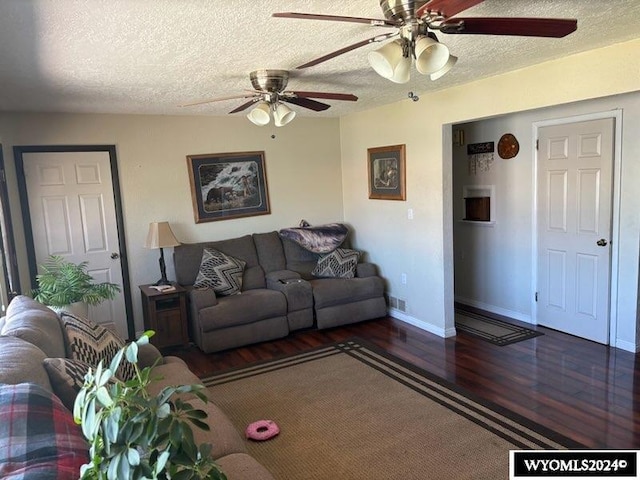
<point x="166" y="314"/>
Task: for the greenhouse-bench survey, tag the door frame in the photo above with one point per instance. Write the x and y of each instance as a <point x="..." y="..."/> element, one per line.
<point x="615" y="212"/>
<point x="18" y="152"/>
<point x="10" y="258"/>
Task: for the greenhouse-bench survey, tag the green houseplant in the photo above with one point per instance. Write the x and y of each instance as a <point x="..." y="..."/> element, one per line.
<point x="63" y="283"/>
<point x="135" y="435"/>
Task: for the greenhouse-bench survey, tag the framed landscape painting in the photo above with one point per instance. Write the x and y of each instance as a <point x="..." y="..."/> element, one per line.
<point x="386" y="166"/>
<point x="228" y="185"/>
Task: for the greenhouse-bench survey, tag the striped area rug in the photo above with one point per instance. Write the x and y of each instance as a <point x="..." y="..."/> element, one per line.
<point x="492" y="330"/>
<point x="352" y="411"/>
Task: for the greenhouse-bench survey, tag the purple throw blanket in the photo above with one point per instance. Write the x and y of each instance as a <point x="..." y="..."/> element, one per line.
<point x="318" y="239"/>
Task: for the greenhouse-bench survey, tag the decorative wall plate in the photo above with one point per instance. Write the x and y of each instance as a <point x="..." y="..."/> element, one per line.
<point x="508" y="146"/>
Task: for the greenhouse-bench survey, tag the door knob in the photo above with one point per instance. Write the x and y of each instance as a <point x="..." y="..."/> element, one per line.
<point x="601" y="243"/>
<point x="115" y="255"/>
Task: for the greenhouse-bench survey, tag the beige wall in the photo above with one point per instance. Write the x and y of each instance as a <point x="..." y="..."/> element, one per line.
<point x="302" y="163"/>
<point x="422" y="248"/>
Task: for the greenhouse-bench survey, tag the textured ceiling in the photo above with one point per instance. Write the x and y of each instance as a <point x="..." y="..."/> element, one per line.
<point x="149" y="56"/>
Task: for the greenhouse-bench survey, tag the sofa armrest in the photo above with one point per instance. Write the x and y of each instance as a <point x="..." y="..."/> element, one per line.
<point x="148" y="355"/>
<point x="275" y="279"/>
<point x="202" y="298"/>
<point x="366" y="269"/>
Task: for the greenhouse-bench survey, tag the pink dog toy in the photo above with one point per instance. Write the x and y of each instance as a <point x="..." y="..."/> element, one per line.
<point x="262" y="430"/>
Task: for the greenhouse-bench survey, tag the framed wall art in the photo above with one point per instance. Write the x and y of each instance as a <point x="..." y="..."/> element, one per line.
<point x="386" y="166"/>
<point x="228" y="185"/>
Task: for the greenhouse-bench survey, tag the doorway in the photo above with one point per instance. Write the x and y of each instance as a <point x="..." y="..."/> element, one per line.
<point x="71" y="206"/>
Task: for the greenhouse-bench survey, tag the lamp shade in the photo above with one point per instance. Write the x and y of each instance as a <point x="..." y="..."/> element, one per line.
<point x="447" y="66"/>
<point x="388" y="59"/>
<point x="431" y="55"/>
<point x="282" y="115"/>
<point x="160" y="236"/>
<point x="260" y="114"/>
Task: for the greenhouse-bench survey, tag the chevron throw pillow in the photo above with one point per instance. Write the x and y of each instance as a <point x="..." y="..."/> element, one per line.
<point x="340" y="263"/>
<point x="220" y="272"/>
<point x="90" y="343"/>
<point x="66" y="377"/>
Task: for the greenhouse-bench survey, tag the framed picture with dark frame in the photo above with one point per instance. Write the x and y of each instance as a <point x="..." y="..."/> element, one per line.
<point x="228" y="185"/>
<point x="387" y="172"/>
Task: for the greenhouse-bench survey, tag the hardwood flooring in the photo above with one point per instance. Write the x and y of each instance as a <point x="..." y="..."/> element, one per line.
<point x="581" y="389"/>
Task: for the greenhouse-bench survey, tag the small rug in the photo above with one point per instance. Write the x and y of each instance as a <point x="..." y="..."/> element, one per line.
<point x="492" y="330"/>
<point x="352" y="411"/>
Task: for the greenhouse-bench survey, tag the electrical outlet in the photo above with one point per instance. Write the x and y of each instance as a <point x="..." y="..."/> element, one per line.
<point x="410" y="214"/>
<point x="403" y="278"/>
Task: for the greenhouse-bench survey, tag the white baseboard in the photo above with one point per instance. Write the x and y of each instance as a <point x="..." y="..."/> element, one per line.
<point x="497" y="310"/>
<point x="427" y="327"/>
<point x="627" y="346"/>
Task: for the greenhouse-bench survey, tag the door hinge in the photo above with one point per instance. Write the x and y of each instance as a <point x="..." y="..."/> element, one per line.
<point x="537" y="143"/>
<point x="536" y="296"/>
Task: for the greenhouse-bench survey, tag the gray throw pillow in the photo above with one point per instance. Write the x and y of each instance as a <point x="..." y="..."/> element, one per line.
<point x="341" y="263"/>
<point x="66" y="377"/>
<point x="220" y="272"/>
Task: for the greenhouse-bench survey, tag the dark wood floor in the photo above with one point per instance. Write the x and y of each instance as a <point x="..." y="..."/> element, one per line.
<point x="584" y="390"/>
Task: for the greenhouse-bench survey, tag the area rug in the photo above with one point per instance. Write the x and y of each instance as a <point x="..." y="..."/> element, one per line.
<point x="351" y="411"/>
<point x="492" y="330"/>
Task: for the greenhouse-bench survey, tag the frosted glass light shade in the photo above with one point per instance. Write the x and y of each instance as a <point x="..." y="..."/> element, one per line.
<point x="386" y="60"/>
<point x="260" y="114"/>
<point x="431" y="55"/>
<point x="283" y="115"/>
<point x="447" y="66"/>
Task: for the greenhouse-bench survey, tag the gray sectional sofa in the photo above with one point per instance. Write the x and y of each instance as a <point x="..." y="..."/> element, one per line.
<point x="279" y="293"/>
<point x="31" y="332"/>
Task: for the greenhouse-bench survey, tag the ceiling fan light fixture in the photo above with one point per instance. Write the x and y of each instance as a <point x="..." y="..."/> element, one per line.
<point x="386" y="59"/>
<point x="260" y="114"/>
<point x="447" y="66"/>
<point x="431" y="55"/>
<point x="282" y="115"/>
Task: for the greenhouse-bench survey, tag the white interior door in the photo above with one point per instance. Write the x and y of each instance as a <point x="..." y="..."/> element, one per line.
<point x="73" y="215"/>
<point x="575" y="163"/>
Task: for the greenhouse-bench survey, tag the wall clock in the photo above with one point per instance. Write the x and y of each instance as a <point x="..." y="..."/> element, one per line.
<point x="508" y="146"/>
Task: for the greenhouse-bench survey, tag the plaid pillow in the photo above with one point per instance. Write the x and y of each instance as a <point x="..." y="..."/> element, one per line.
<point x="220" y="272"/>
<point x="340" y="263"/>
<point x="38" y="437"/>
<point x="90" y="343"/>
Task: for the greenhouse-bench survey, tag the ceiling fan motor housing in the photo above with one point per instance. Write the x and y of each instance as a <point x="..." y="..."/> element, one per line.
<point x="400" y="10"/>
<point x="269" y="80"/>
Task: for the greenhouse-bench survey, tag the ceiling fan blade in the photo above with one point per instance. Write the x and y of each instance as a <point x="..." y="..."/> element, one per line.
<point x="331" y="96"/>
<point x="527" y="27"/>
<point x="307" y="103"/>
<point x="244" y="106"/>
<point x="448" y="8"/>
<point x="376" y="22"/>
<point x="329" y="56"/>
<point x="211" y="100"/>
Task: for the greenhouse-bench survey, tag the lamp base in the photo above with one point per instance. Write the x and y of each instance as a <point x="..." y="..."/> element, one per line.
<point x="162" y="281"/>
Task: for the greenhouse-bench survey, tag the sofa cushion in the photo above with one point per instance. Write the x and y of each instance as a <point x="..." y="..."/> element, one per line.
<point x="270" y="251"/>
<point x="38" y="437"/>
<point x="21" y="361"/>
<point x="341" y="263"/>
<point x="187" y="259"/>
<point x="90" y="343"/>
<point x="35" y="323"/>
<point x="248" y="307"/>
<point x="220" y="272"/>
<point x="337" y="291"/>
<point x="66" y="377"/>
<point x="241" y="465"/>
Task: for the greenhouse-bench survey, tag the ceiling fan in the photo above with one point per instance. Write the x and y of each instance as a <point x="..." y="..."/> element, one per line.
<point x="270" y="96"/>
<point x="414" y="23"/>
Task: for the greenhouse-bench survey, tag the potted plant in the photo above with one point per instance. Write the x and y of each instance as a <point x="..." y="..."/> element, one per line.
<point x="63" y="284"/>
<point x="135" y="435"/>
